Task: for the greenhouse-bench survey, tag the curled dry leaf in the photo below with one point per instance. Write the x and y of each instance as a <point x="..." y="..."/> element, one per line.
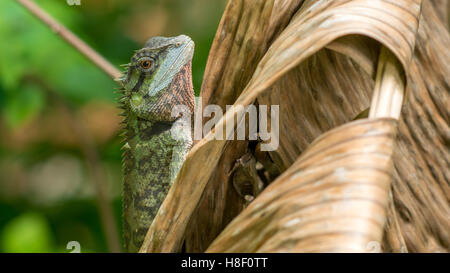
<point x="317" y="60"/>
<point x="333" y="198"/>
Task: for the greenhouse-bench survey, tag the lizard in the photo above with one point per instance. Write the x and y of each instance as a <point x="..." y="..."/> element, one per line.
<point x="158" y="78"/>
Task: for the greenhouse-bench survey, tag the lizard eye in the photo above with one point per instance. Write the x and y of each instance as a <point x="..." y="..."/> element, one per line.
<point x="145" y="63"/>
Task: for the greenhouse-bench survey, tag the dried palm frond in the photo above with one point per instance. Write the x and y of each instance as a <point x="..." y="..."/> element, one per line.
<point x="319" y="60"/>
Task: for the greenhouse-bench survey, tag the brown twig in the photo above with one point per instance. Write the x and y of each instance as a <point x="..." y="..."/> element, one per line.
<point x="108" y="221"/>
<point x="86" y="144"/>
<point x="72" y="39"/>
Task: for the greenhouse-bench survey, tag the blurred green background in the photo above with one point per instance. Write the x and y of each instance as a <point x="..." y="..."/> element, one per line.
<point x="59" y="124"/>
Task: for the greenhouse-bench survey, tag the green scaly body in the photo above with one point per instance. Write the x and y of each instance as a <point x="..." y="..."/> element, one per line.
<point x="158" y="79"/>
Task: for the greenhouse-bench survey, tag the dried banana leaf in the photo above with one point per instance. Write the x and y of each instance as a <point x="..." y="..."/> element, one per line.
<point x="317" y="60"/>
<point x="332" y="199"/>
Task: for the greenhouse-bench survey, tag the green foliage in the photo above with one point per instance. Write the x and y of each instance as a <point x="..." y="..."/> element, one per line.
<point x="30" y="48"/>
<point x="31" y="130"/>
<point x="24" y="105"/>
<point x="29" y="232"/>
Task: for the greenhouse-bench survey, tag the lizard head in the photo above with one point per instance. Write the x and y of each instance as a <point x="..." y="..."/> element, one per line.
<point x="159" y="78"/>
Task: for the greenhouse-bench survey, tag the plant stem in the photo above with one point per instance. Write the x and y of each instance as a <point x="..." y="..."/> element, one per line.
<point x="72" y="39"/>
